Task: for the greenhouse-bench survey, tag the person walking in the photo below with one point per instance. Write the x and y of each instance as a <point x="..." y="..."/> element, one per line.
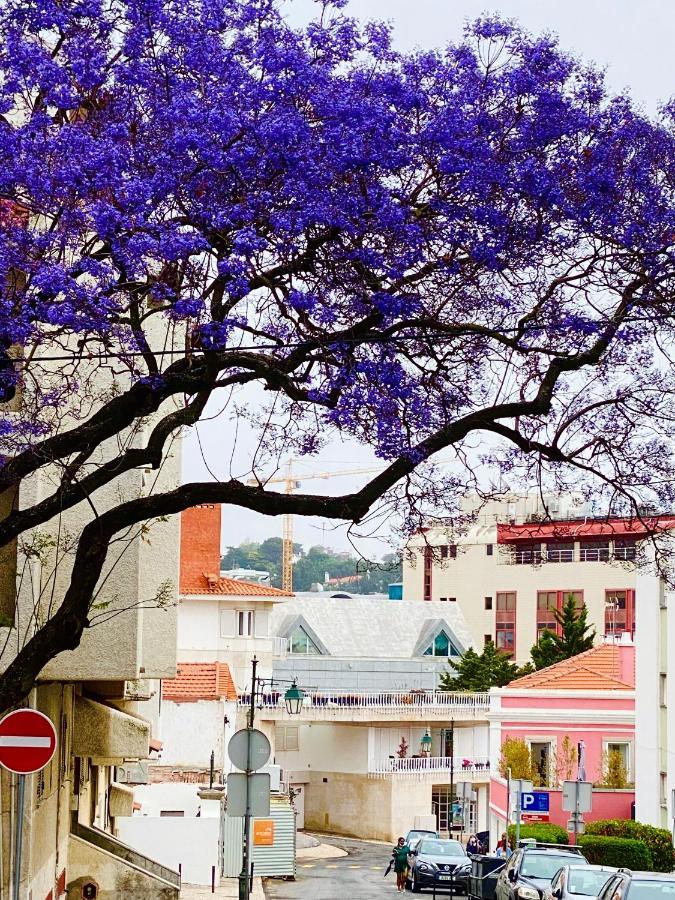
<point x="400" y="855"/>
<point x="503" y="848"/>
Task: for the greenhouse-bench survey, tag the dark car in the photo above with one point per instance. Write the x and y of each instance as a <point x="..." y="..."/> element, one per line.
<point x="530" y="870"/>
<point x="627" y="885"/>
<point x="575" y="881"/>
<point x="443" y="863"/>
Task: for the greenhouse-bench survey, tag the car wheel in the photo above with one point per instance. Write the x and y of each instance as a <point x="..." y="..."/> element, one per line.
<point x="414" y="886"/>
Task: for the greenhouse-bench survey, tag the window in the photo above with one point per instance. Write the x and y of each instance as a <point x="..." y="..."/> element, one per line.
<point x="444" y="551"/>
<point x="619" y="612"/>
<point x="527" y="554"/>
<point x="623" y="748"/>
<point x="441" y="646"/>
<point x="452" y="599"/>
<point x="452" y="549"/>
<point x="487" y="639"/>
<point x="547" y="604"/>
<point x="560" y="551"/>
<point x="663" y="689"/>
<point x="245" y="619"/>
<point x="171" y="813"/>
<point x="505" y="622"/>
<point x="428" y="567"/>
<point x="443" y="599"/>
<point x="624" y="549"/>
<point x="287" y="737"/>
<point x="594" y="551"/>
<point x="543" y="765"/>
<point x="663" y="790"/>
<point x="300" y="642"/>
<point x="489" y="549"/>
<point x="488" y="603"/>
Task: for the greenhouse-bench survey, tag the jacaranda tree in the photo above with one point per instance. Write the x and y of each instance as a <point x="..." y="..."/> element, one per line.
<point x="417" y="251"/>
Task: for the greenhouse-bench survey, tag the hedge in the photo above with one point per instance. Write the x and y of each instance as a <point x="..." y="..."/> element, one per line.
<point x="540" y="831"/>
<point x="658" y="840"/>
<point x="615" y="851"/>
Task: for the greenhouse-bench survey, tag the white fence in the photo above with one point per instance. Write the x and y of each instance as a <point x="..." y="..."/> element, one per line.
<point x="462" y="769"/>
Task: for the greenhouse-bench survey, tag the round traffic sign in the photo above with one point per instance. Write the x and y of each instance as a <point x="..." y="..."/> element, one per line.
<point x="27" y="741"/>
<point x="244" y="757"/>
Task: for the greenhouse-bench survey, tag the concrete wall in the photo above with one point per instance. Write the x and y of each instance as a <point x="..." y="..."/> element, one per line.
<point x="190" y="731"/>
<point x="190" y="842"/>
<point x="474" y="575"/>
<point x="328" y="748"/>
<point x="158" y="798"/>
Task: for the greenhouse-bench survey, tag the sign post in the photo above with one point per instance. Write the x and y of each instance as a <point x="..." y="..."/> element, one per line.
<point x="577" y="799"/>
<point x="520" y="786"/>
<point x="27" y="744"/>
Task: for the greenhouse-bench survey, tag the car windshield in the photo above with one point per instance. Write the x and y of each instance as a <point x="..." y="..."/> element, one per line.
<point x="416" y="835"/>
<point x="542" y="865"/>
<point x="651" y="890"/>
<point x="587" y="881"/>
<point x="442" y="848"/>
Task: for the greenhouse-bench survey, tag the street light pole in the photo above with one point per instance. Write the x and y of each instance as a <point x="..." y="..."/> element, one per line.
<point x="452" y="775"/>
<point x="244" y="875"/>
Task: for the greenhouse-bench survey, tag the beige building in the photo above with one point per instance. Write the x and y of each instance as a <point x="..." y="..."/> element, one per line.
<point x="508" y="570"/>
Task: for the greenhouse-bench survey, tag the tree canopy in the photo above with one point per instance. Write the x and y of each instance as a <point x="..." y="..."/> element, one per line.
<point x="413" y="251"/>
<point x="576" y="636"/>
<point x="481" y="671"/>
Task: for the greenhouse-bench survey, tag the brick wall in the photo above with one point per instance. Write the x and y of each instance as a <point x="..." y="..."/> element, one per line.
<point x="199" y="545"/>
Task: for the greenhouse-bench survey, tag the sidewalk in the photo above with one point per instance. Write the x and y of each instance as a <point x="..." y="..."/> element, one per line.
<point x="228" y="888"/>
<point x="321" y="851"/>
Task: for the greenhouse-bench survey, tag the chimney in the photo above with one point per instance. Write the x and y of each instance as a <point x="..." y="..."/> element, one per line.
<point x="199" y="547"/>
<point x="626" y="651"/>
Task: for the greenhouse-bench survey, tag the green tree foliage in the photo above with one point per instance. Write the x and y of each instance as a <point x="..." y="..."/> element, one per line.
<point x="576" y="636"/>
<point x="616" y="851"/>
<point x="480" y="672"/>
<point x="516" y="757"/>
<point x="657" y="840"/>
<point x="614" y="772"/>
<point x="545" y="832"/>
<point x="311" y="566"/>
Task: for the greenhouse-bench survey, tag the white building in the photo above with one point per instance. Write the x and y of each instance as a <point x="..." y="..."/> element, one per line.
<point x="655" y="702"/>
<point x="509" y="570"/>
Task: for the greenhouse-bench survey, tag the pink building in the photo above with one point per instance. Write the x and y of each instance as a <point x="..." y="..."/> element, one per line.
<point x="589" y="698"/>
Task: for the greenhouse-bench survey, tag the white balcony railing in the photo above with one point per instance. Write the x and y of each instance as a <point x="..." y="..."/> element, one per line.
<point x="362" y="704"/>
<point x="460" y="768"/>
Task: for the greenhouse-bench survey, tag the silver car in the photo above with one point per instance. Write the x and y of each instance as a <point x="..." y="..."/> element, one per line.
<point x="572" y="882"/>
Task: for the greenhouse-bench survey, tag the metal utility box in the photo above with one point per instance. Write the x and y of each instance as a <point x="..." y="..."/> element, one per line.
<point x="484" y="873"/>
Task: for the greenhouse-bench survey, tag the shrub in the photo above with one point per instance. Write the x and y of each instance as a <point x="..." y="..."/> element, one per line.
<point x="657" y="840"/>
<point x="517" y="757"/>
<point x="540" y="831"/>
<point x="614" y="771"/>
<point x="615" y="851"/>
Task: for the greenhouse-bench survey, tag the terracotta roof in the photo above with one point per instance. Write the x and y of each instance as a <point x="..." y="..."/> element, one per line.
<point x="200" y="681"/>
<point x="609" y="667"/>
<point x="214" y="584"/>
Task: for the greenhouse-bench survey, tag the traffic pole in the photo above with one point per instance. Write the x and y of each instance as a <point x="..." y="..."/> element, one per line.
<point x="18" y="844"/>
<point x="244" y="880"/>
<point x="518" y="799"/>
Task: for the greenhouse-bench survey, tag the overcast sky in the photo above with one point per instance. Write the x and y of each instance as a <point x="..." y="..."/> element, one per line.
<point x="632" y="39"/>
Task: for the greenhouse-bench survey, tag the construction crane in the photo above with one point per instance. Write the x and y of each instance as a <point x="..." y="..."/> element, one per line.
<point x="291" y="483"/>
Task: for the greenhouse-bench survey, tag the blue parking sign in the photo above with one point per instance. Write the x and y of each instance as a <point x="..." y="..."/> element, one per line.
<point x="534" y="802"/>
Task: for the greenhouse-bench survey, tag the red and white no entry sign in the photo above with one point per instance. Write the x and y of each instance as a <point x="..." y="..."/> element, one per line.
<point x="27" y="741"/>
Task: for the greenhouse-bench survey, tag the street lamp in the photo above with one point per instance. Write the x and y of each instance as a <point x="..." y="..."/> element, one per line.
<point x="293" y="699"/>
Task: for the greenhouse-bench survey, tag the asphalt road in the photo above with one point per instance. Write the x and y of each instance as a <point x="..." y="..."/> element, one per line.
<point x="358" y="876"/>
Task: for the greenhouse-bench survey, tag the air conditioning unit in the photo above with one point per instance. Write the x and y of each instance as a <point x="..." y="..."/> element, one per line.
<point x="133" y="773"/>
<point x="139" y="689"/>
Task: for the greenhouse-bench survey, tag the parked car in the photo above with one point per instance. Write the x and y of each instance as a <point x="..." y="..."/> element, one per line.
<point x="574" y="881"/>
<point x="628" y="885"/>
<point x="415" y="835"/>
<point x="439" y="862"/>
<point x="529" y="870"/>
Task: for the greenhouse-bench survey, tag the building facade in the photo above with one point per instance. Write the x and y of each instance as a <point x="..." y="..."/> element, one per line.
<point x="509" y="571"/>
<point x="589" y="698"/>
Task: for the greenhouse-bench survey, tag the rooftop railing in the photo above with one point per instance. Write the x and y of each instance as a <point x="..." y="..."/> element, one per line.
<point x="461" y="768"/>
<point x="469" y="704"/>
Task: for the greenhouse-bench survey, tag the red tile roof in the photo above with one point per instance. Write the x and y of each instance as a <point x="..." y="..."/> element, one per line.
<point x="232" y="587"/>
<point x="200" y="681"/>
<point x="609" y="667"/>
<point x="583" y="528"/>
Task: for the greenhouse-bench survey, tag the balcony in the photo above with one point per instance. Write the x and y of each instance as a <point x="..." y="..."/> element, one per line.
<point x="374" y="706"/>
<point x="461" y="769"/>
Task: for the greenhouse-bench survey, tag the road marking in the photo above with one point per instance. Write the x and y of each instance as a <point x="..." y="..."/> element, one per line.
<point x="16" y="740"/>
<point x="332" y="866"/>
<point x="307" y="866"/>
<point x="355" y="867"/>
<point x="376" y="868"/>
